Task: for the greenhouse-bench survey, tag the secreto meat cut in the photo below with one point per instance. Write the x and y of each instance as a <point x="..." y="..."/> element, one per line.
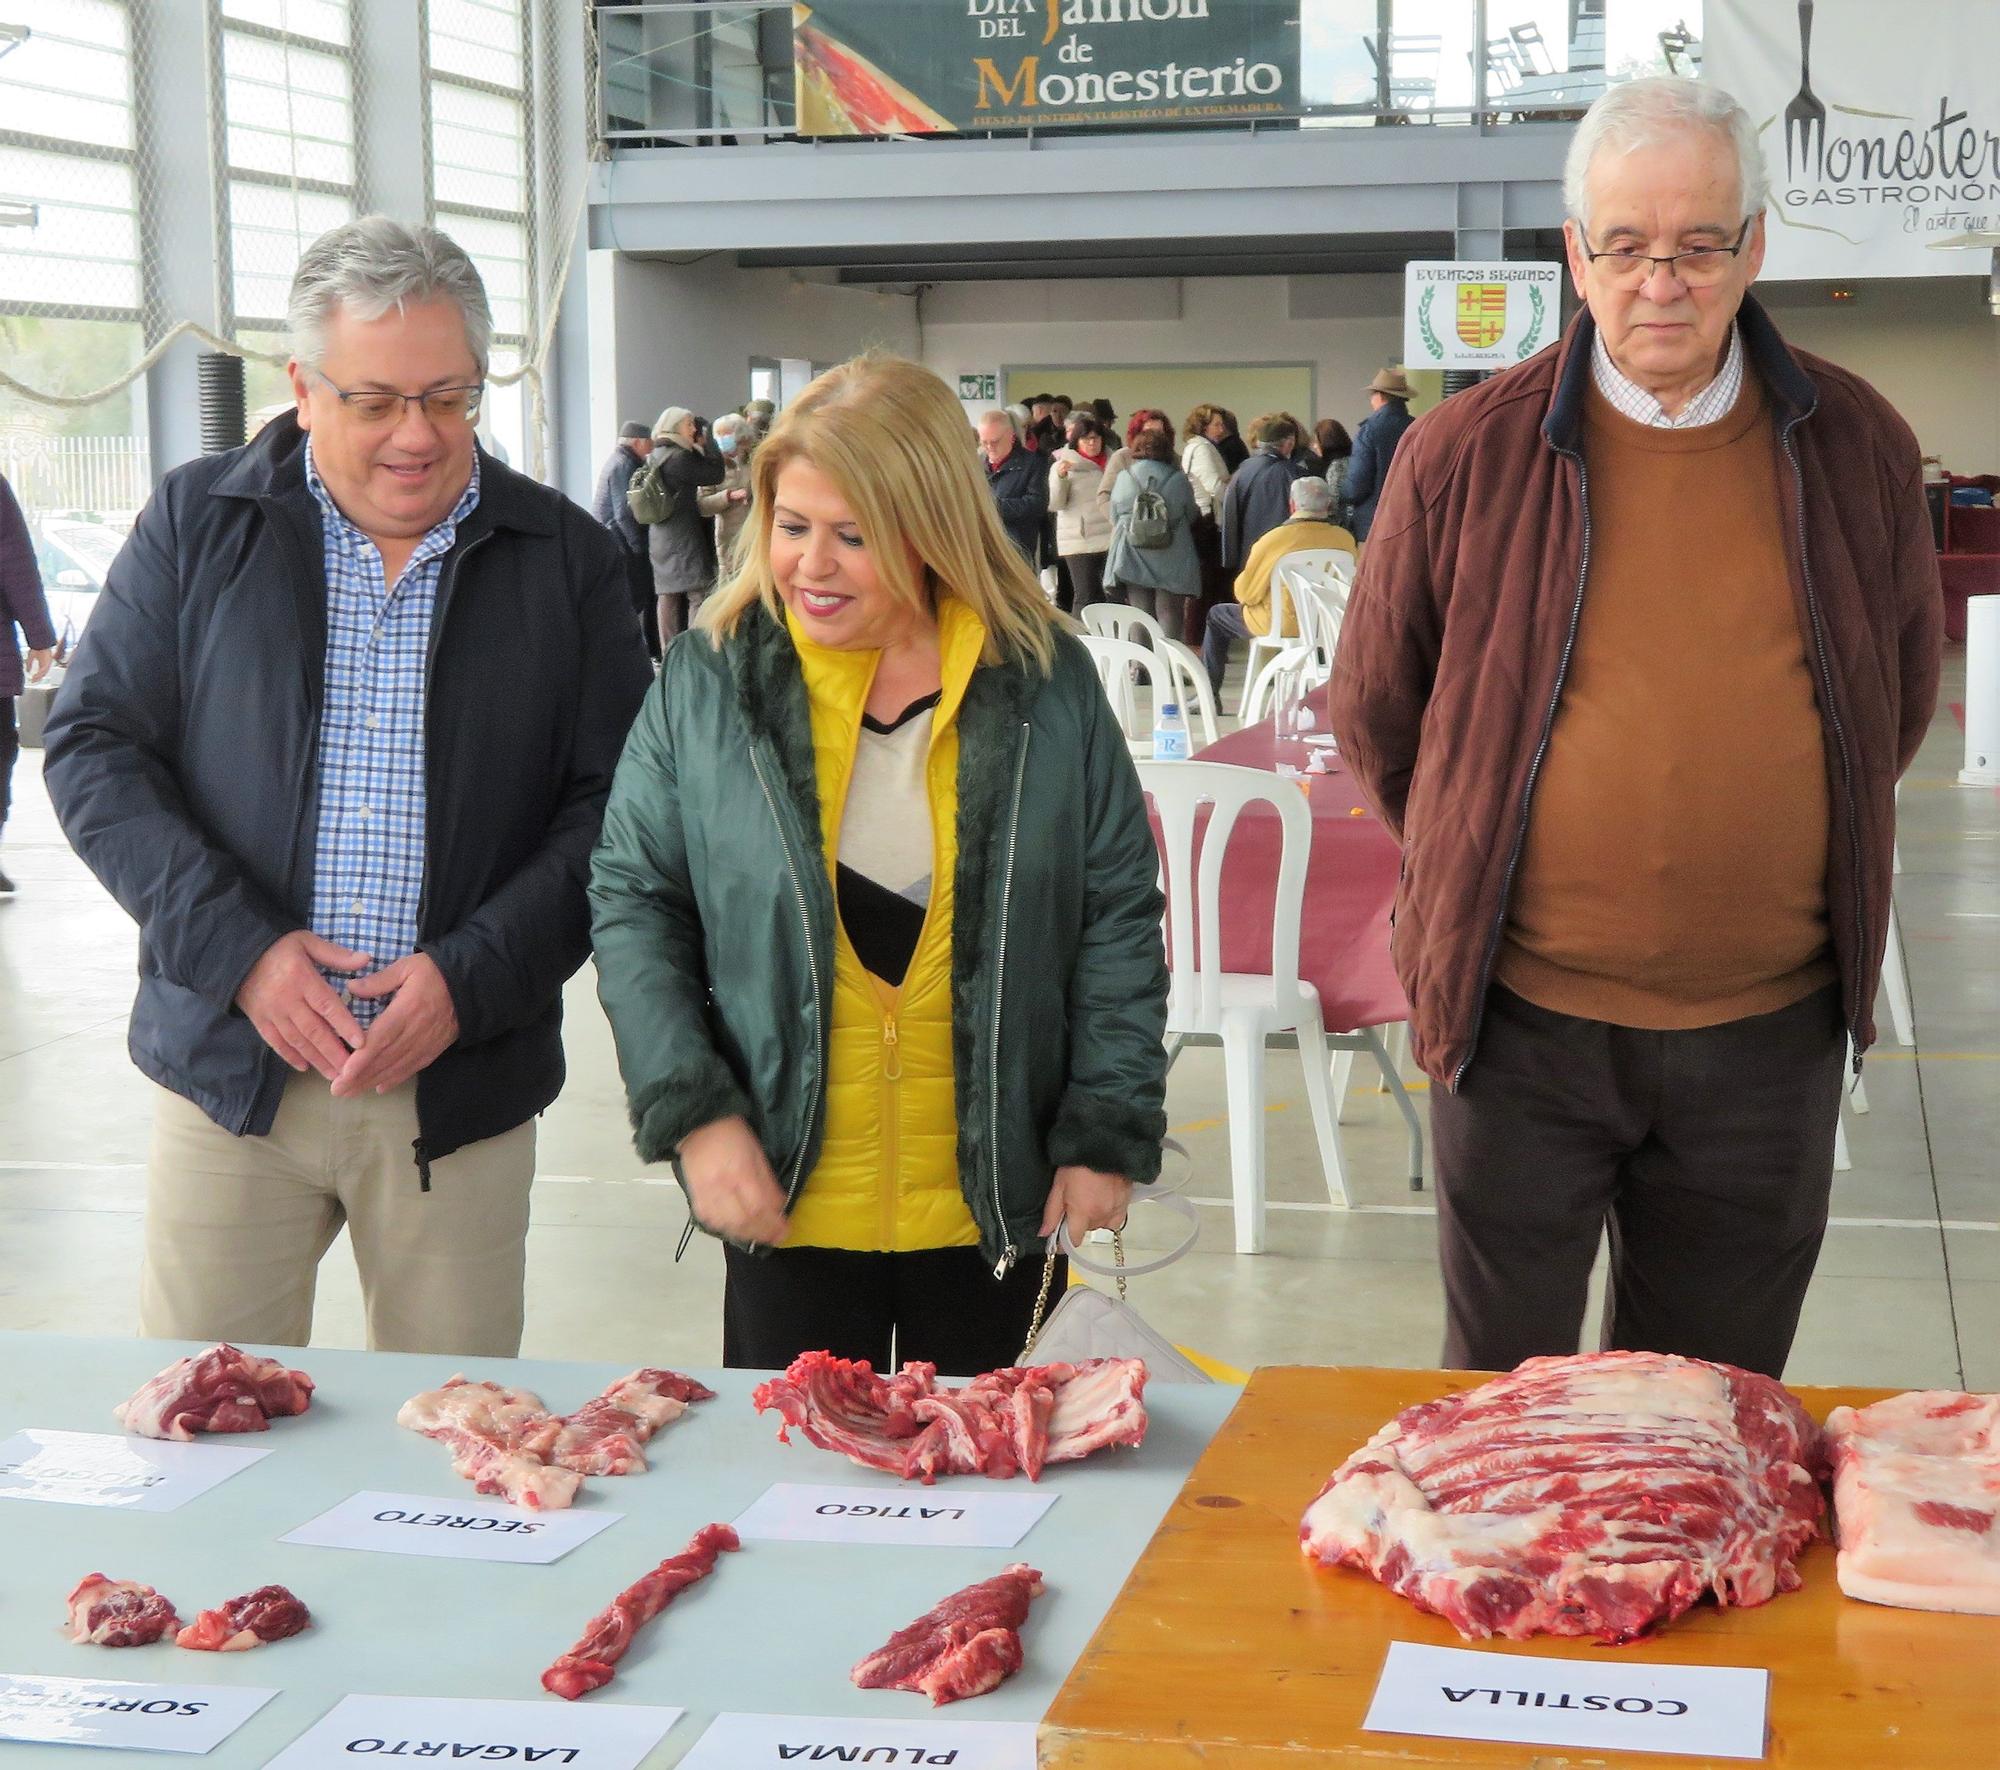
<point x="593" y="1661"/>
<point x="963" y="1646"/>
<point x="219" y="1390"/>
<point x="506" y="1442"/>
<point x="1597" y="1495"/>
<point x="270" y="1613"/>
<point x="118" y="1613"/>
<point x="1916" y="1500"/>
<point x="1005" y="1422"/>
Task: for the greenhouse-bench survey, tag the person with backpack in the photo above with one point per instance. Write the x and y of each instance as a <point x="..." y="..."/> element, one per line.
<point x="680" y="540"/>
<point x="1153" y="514"/>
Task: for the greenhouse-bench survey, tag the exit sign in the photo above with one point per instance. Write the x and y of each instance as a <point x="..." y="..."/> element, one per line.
<point x="979" y="387"/>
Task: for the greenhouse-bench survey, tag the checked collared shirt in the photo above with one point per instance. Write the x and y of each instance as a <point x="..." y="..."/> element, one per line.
<point x="1712" y="404"/>
<point x="368" y="879"/>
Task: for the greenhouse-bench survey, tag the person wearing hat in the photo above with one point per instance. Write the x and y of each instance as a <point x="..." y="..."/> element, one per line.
<point x="1389" y="396"/>
<point x="682" y="548"/>
<point x="608" y="504"/>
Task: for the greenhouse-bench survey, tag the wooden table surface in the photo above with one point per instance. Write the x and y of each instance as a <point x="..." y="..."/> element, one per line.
<point x="1230" y="1649"/>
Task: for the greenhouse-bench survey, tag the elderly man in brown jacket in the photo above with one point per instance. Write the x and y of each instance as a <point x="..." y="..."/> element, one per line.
<point x="1647" y="630"/>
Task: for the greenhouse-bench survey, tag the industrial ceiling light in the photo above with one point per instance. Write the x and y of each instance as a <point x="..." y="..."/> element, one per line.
<point x="1977" y="239"/>
<point x="18" y="214"/>
<point x="12" y="37"/>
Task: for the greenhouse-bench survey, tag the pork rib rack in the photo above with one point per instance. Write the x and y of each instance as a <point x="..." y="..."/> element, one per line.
<point x="593" y="1661"/>
<point x="1916" y="1500"/>
<point x="965" y="1645"/>
<point x="220" y="1390"/>
<point x="1598" y="1495"/>
<point x="1006" y="1422"/>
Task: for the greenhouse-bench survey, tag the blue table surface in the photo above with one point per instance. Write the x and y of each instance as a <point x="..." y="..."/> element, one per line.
<point x="774" y="1630"/>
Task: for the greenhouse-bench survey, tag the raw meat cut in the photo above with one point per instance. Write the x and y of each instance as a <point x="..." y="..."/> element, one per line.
<point x="118" y="1613"/>
<point x="220" y="1390"/>
<point x="268" y="1614"/>
<point x="966" y="1645"/>
<point x="1006" y="1422"/>
<point x="1916" y="1500"/>
<point x="591" y="1663"/>
<point x="1594" y="1495"/>
<point x="504" y="1440"/>
<point x="607" y="1434"/>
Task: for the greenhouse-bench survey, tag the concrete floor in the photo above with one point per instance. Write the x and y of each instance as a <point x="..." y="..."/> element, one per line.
<point x="1908" y="1290"/>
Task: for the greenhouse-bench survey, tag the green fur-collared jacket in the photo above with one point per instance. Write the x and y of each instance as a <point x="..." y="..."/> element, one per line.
<point x="714" y="925"/>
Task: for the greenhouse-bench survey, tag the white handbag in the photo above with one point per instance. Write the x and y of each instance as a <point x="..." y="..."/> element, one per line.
<point x="1085" y="1323"/>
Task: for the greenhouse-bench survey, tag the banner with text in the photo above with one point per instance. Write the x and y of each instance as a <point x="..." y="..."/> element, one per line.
<point x="1881" y="129"/>
<point x="925" y="67"/>
<point x="1478" y="316"/>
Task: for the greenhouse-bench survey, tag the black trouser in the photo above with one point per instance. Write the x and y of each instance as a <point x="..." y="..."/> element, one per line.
<point x="1707" y="1154"/>
<point x="10" y="747"/>
<point x="942" y="1306"/>
<point x="639" y="583"/>
<point x="1086" y="577"/>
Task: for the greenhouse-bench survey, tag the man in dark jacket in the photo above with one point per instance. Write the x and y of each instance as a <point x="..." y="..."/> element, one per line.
<point x="1389" y="396"/>
<point x="610" y="506"/>
<point x="22" y="606"/>
<point x="1260" y="491"/>
<point x="1643" y="769"/>
<point x="339" y="737"/>
<point x="1019" y="480"/>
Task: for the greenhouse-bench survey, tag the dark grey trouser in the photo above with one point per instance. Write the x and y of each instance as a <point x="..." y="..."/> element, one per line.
<point x="1707" y="1154"/>
<point x="10" y="747"/>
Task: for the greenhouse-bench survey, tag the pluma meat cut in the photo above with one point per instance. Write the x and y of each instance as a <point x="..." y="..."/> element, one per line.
<point x="220" y="1390"/>
<point x="1597" y="1495"/>
<point x="1916" y="1500"/>
<point x="593" y="1661"/>
<point x="1006" y="1422"/>
<point x="268" y="1614"/>
<point x="966" y="1645"/>
<point x="118" y="1613"/>
<point x="607" y="1434"/>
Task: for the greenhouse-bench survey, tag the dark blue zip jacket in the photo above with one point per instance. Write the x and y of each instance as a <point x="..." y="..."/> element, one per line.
<point x="182" y="757"/>
<point x="1368" y="467"/>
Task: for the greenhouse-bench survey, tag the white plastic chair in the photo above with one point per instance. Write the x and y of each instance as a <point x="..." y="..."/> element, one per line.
<point x="1322" y="601"/>
<point x="1290" y="674"/>
<point x="1242" y="1009"/>
<point x="1192" y="691"/>
<point x="1116" y="660"/>
<point x="1286" y="631"/>
<point x="1114" y="620"/>
<point x="1325" y="562"/>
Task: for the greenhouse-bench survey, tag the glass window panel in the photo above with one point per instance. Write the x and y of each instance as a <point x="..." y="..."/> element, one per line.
<point x="72" y="78"/>
<point x="290" y="111"/>
<point x="83" y="250"/>
<point x="326" y="20"/>
<point x="477" y="148"/>
<point x="503" y="414"/>
<point x="500" y="249"/>
<point x="268" y="229"/>
<point x="480" y="39"/>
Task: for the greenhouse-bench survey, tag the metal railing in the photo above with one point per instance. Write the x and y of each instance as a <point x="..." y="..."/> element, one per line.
<point x="673" y="73"/>
<point x="94" y="474"/>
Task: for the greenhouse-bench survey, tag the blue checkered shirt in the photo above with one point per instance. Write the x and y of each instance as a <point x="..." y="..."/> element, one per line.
<point x="368" y="879"/>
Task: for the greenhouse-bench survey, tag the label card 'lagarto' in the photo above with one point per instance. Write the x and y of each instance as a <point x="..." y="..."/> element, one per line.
<point x="191" y="1718"/>
<point x="750" y="1742"/>
<point x="463" y="1530"/>
<point x="450" y="1729"/>
<point x="954" y="1517"/>
<point x="114" y="1469"/>
<point x="1614" y="1703"/>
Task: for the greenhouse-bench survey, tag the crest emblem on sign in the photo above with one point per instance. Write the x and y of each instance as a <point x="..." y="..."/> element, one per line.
<point x="1482" y="314"/>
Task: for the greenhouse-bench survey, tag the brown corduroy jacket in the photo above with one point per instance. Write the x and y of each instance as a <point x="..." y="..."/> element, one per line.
<point x="1458" y="636"/>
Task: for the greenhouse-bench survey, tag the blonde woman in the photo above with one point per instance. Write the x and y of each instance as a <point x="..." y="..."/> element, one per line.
<point x="874" y="906"/>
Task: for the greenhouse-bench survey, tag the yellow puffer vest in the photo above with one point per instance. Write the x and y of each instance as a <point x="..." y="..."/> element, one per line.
<point x="887" y="1177"/>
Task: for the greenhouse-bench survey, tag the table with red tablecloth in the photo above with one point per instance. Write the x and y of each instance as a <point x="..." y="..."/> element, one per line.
<point x="1350" y="882"/>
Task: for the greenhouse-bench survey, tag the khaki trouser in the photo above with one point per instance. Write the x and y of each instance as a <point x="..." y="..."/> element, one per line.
<point x="236" y="1226"/>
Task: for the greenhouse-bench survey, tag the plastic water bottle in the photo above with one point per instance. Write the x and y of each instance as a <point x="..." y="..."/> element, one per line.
<point x="1170" y="735"/>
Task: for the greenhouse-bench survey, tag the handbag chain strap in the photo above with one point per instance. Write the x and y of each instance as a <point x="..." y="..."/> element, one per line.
<point x="1048" y="1283"/>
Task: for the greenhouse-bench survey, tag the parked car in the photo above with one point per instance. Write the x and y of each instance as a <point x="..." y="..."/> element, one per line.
<point x="74" y="551"/>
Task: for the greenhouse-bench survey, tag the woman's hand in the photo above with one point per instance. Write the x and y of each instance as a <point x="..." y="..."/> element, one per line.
<point x="730" y="1183"/>
<point x="1086" y="1200"/>
<point x="1062" y="470"/>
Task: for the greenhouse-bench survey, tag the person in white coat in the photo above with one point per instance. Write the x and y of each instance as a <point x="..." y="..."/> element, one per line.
<point x="1083" y="524"/>
<point x="1208" y="470"/>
